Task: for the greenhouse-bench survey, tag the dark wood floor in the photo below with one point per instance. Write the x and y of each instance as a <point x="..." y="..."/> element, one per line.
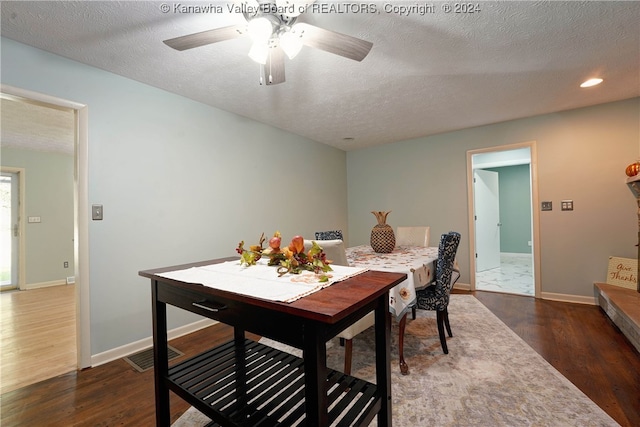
<point x="583" y="344"/>
<point x="578" y="340"/>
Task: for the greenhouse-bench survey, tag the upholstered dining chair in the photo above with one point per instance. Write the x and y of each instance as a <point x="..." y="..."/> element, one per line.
<point x="336" y="252"/>
<point x="329" y="235"/>
<point x="412" y="236"/>
<point x="348" y="334"/>
<point x="333" y="249"/>
<point x="436" y="297"/>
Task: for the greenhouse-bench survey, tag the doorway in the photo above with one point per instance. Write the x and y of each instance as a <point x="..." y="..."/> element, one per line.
<point x="503" y="225"/>
<point x="11" y="228"/>
<point x="80" y="243"/>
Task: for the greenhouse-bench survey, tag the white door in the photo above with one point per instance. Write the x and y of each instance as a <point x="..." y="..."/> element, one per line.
<point x="487" y="219"/>
<point x="9" y="229"/>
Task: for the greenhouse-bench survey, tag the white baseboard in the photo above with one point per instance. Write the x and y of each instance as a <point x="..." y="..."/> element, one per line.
<point x="44" y="284"/>
<point x="134" y="347"/>
<point x="546" y="295"/>
<point x="462" y="286"/>
<point x="569" y="298"/>
<point x="518" y="254"/>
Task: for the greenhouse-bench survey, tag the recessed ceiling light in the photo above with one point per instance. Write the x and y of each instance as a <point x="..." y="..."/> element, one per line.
<point x="591" y="82"/>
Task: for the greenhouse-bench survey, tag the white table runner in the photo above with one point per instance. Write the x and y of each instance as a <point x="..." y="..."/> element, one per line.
<point x="260" y="280"/>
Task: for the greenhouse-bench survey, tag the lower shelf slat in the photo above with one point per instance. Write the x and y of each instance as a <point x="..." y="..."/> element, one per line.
<point x="259" y="386"/>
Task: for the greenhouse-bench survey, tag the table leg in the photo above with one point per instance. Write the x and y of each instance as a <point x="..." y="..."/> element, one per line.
<point x="160" y="358"/>
<point x="383" y="357"/>
<point x="314" y="353"/>
<point x="404" y="368"/>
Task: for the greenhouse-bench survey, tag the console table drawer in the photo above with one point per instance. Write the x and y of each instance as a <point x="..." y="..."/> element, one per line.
<point x="277" y="325"/>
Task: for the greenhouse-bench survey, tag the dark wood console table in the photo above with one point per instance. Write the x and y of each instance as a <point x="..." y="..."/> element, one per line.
<point x="245" y="383"/>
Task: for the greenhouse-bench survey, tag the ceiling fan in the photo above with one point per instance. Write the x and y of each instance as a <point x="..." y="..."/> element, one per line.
<point x="273" y="27"/>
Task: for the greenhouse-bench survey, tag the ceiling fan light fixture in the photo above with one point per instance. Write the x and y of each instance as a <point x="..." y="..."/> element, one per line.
<point x="273" y="27"/>
<point x="291" y="44"/>
<point x="293" y="8"/>
<point x="260" y="29"/>
<point x="287" y="6"/>
<point x="259" y="52"/>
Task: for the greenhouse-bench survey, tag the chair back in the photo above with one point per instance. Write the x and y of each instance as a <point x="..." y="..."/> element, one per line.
<point x="412" y="236"/>
<point x="333" y="249"/>
<point x="329" y="235"/>
<point x="444" y="267"/>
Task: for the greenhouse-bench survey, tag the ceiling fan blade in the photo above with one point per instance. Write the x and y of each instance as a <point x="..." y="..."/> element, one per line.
<point x="273" y="71"/>
<point x="206" y="37"/>
<point x="330" y="41"/>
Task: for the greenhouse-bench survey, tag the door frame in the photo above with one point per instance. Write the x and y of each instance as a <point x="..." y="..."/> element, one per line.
<point x="535" y="213"/>
<point x="21" y="221"/>
<point x="81" y="210"/>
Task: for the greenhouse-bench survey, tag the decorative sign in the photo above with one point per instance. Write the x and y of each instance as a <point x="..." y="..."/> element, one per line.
<point x="623" y="272"/>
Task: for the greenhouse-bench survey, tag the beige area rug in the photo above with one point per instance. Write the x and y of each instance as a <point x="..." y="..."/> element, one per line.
<point x="490" y="377"/>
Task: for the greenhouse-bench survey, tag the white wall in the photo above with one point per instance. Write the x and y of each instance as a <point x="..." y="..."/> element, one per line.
<point x="180" y="181"/>
<point x="582" y="155"/>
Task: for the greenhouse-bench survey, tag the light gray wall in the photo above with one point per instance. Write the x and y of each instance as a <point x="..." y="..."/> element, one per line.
<point x="180" y="181"/>
<point x="49" y="195"/>
<point x="515" y="208"/>
<point x="582" y="155"/>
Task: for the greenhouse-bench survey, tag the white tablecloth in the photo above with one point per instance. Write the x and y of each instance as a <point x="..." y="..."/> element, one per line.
<point x="417" y="262"/>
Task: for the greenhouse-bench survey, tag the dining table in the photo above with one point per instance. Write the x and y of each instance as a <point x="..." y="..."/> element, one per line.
<point x="417" y="262"/>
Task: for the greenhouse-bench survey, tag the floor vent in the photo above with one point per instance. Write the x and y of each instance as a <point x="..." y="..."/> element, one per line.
<point x="143" y="360"/>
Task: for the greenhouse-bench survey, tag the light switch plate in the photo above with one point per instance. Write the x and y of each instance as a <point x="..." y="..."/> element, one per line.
<point x="547" y="206"/>
<point x="567" y="205"/>
<point x="96" y="212"/>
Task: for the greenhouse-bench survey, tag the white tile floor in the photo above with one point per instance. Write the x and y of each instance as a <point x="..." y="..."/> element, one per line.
<point x="515" y="275"/>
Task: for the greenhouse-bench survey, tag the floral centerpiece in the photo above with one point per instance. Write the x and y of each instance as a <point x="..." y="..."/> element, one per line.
<point x="289" y="259"/>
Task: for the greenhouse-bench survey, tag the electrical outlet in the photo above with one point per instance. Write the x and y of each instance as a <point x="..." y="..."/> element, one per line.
<point x="66" y="264"/>
<point x="547" y="206"/>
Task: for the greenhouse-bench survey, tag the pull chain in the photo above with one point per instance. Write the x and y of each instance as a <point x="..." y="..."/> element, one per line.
<point x="270" y="74"/>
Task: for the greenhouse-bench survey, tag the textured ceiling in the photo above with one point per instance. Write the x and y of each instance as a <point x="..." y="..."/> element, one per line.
<point x="426" y="73"/>
<point x="36" y="126"/>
